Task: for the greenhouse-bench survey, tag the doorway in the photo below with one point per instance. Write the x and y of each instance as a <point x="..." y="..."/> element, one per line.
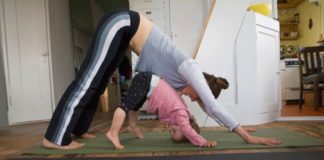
<point x="296" y="32"/>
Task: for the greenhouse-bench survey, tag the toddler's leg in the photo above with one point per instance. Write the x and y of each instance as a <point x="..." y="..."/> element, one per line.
<point x="135" y="99"/>
<point x="117" y="122"/>
<point x="133" y="121"/>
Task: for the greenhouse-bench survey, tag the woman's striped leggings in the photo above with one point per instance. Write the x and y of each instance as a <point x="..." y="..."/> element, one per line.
<point x="77" y="106"/>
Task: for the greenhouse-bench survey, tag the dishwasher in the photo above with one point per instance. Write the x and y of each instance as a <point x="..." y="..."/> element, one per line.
<point x="292" y="79"/>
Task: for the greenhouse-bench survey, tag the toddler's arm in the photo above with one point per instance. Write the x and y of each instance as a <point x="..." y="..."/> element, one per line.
<point x="182" y="120"/>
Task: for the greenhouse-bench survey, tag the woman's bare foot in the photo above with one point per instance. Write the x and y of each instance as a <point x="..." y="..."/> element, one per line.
<point x="137" y="131"/>
<point x="115" y="140"/>
<point x="88" y="136"/>
<point x="73" y="145"/>
<point x="85" y="136"/>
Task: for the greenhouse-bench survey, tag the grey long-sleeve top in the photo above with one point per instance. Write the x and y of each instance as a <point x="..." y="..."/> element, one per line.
<point x="161" y="57"/>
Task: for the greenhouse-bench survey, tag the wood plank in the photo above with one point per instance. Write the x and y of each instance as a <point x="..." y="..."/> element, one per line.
<point x="203" y="29"/>
<point x="293" y="110"/>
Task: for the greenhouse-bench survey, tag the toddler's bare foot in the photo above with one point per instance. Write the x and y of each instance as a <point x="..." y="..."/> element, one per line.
<point x="88" y="136"/>
<point x="115" y="140"/>
<point x="73" y="145"/>
<point x="137" y="131"/>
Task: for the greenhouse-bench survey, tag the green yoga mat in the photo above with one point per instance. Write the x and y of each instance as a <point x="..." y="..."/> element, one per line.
<point x="161" y="142"/>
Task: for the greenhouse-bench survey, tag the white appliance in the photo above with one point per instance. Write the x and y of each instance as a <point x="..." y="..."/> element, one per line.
<point x="292" y="79"/>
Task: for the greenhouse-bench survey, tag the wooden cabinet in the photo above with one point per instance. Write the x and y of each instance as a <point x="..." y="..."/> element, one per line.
<point x="289" y="30"/>
<point x="289" y="19"/>
<point x="288" y="3"/>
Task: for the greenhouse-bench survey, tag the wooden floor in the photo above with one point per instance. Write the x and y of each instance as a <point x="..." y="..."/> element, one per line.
<point x="293" y="110"/>
<point x="15" y="140"/>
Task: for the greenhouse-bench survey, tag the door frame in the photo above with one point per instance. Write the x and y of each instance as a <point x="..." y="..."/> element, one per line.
<point x="50" y="62"/>
<point x="5" y="57"/>
<point x="3" y="48"/>
<point x="5" y="60"/>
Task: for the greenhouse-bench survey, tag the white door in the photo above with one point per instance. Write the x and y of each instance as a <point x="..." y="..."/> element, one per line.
<point x="186" y="21"/>
<point x="27" y="60"/>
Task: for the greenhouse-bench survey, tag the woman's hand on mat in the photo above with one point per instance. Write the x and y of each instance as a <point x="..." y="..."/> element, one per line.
<point x="210" y="144"/>
<point x="263" y="140"/>
<point x="248" y="138"/>
<point x="249" y="129"/>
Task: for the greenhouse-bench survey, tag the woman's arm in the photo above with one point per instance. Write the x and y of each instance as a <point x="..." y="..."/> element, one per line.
<point x="253" y="139"/>
<point x="191" y="71"/>
<point x="245" y="135"/>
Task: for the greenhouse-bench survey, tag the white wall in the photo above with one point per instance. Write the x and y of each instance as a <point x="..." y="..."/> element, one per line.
<point x="62" y="61"/>
<point x="186" y="21"/>
<point x="215" y="54"/>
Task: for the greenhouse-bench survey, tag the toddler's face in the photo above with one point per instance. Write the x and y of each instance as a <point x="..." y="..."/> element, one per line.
<point x="190" y="92"/>
<point x="176" y="134"/>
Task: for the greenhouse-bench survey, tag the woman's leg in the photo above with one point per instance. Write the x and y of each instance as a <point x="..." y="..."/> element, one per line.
<point x="84" y="122"/>
<point x="111" y="38"/>
<point x="87" y="115"/>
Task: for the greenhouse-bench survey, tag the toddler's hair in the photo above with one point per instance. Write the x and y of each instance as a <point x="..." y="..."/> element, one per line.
<point x="194" y="125"/>
<point x="216" y="84"/>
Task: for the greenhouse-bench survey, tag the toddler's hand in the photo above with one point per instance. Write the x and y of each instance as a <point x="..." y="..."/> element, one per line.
<point x="210" y="144"/>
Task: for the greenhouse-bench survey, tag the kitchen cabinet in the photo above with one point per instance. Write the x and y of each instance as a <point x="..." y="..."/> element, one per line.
<point x="258" y="75"/>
